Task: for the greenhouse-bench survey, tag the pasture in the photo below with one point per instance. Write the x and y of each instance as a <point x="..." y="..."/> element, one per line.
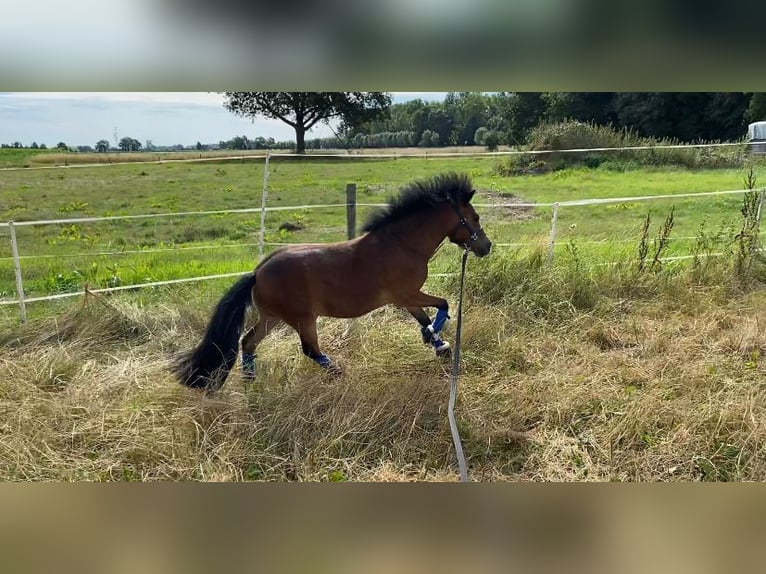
<point x="582" y="370"/>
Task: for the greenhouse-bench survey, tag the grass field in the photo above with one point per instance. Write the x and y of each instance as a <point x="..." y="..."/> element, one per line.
<point x="578" y="371"/>
<point x="60" y="258"/>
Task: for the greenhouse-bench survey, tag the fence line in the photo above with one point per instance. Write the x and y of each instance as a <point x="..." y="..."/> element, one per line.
<point x="149" y="251"/>
<point x="128" y="287"/>
<point x="172" y="214"/>
<point x="146" y="162"/>
<point x="137" y="286"/>
<point x="430" y="155"/>
<point x="296" y="243"/>
<point x="312" y="154"/>
<point x="350" y="209"/>
<point x="567" y="203"/>
<point x="148" y="284"/>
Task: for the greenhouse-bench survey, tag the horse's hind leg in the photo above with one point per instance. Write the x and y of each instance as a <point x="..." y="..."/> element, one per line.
<point x="307" y="331"/>
<point x="250" y="341"/>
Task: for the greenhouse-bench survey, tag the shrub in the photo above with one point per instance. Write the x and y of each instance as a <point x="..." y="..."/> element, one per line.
<point x="491" y="140"/>
<point x="479" y="136"/>
<point x="571" y="134"/>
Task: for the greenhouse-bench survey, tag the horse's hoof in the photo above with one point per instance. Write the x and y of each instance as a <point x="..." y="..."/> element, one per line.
<point x="334" y="370"/>
<point x="444" y="352"/>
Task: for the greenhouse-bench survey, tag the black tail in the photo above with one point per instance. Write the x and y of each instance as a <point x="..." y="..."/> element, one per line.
<point x="208" y="364"/>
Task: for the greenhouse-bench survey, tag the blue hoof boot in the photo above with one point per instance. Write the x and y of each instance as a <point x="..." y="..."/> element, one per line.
<point x="442" y="348"/>
<point x="248" y="366"/>
<point x="327" y="363"/>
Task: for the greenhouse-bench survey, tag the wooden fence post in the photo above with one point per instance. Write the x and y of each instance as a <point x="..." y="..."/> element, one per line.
<point x="552" y="240"/>
<point x="264" y="195"/>
<point x="351" y="233"/>
<point x="17" y="269"/>
<point x="351" y="210"/>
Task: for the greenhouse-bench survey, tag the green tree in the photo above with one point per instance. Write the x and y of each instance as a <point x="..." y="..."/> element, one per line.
<point x="62" y="145"/>
<point x="756" y="110"/>
<point x="426" y="139"/>
<point x="687" y="116"/>
<point x="469" y="111"/>
<point x="594" y="107"/>
<point x="102" y="146"/>
<point x="129" y="144"/>
<point x="521" y="111"/>
<point x="479" y="135"/>
<point x="303" y="110"/>
<point x="239" y="142"/>
<point x="725" y="114"/>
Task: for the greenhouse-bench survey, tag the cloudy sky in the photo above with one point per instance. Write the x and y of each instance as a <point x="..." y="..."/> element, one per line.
<point x="165" y="118"/>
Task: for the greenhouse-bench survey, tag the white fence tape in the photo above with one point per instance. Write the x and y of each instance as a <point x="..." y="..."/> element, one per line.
<point x="171" y="214"/>
<point x="127" y="287"/>
<point x="150" y="251"/>
<point x="360" y="155"/>
<point x="148" y="284"/>
<point x="569" y="203"/>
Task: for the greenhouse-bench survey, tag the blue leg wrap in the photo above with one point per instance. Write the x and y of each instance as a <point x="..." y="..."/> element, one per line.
<point x="248" y="365"/>
<point x="323" y="361"/>
<point x="439" y="320"/>
<point x="436" y="341"/>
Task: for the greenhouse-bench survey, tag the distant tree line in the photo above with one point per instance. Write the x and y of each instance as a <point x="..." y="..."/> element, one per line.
<point x="492" y="119"/>
<point x="477" y="118"/>
<point x="243" y="142"/>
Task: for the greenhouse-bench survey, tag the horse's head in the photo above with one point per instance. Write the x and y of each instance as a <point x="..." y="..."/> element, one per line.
<point x="468" y="232"/>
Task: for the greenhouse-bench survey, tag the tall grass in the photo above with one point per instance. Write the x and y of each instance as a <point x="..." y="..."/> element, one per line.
<point x="592" y="368"/>
<point x="572" y="134"/>
<point x="574" y="371"/>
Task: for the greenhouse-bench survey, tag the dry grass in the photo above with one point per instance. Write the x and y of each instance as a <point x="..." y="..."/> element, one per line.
<point x="63" y="158"/>
<point x="669" y="388"/>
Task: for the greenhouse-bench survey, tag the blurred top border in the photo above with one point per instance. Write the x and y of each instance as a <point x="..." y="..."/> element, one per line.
<point x="444" y="45"/>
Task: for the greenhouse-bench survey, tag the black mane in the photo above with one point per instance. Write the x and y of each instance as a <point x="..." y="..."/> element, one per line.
<point x="422" y="195"/>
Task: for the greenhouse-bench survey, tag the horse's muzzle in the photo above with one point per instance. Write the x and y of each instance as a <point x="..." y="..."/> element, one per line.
<point x="481" y="248"/>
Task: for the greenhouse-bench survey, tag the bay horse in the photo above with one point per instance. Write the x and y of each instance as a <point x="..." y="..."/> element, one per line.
<point x="297" y="284"/>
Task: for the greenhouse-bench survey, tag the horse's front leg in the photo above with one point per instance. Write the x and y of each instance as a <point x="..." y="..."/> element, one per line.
<point x="431" y="330"/>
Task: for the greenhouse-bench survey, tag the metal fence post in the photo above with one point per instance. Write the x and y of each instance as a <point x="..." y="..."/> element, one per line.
<point x="17" y="269"/>
<point x="351" y="210"/>
<point x="264" y="195"/>
<point x="552" y="241"/>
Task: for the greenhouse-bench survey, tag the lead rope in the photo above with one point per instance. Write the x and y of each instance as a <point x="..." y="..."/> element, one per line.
<point x="454" y="379"/>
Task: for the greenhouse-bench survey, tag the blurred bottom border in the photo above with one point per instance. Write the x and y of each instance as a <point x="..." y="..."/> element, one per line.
<point x="375" y="528"/>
